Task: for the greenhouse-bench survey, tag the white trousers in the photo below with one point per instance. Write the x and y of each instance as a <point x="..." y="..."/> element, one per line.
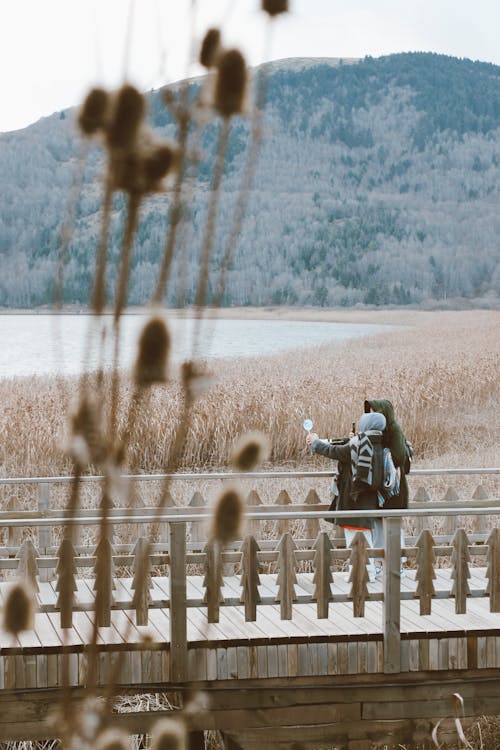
<point x="378" y="537"/>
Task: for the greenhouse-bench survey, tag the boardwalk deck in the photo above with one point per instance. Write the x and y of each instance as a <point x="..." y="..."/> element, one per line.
<point x="299" y="654"/>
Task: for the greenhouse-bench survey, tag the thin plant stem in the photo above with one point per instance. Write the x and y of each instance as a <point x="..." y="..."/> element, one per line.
<point x="209" y="236"/>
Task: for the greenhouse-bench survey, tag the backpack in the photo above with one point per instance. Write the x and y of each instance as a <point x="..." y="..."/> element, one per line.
<point x="373" y="468"/>
<point x="367" y="463"/>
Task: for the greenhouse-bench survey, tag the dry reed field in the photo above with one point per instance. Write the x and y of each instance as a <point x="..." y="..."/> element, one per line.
<point x="441" y="373"/>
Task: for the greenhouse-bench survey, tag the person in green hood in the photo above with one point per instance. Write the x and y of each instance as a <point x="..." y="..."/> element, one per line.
<point x="394" y="439"/>
<point x="401" y="451"/>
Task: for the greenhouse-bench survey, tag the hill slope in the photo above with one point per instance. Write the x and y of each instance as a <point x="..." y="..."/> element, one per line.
<point x="377" y="182"/>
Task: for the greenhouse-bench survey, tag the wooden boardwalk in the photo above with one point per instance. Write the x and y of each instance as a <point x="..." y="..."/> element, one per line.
<point x="285" y="644"/>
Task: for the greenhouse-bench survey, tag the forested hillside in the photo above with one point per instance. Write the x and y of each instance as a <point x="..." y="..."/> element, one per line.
<point x="377" y="182"/>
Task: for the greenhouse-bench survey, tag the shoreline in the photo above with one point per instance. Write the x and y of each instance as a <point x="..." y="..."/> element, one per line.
<point x="384" y="316"/>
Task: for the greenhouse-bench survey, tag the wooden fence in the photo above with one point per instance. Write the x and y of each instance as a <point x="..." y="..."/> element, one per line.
<point x="182" y="543"/>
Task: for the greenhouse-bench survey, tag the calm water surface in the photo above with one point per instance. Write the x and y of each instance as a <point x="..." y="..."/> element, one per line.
<point x="51" y="344"/>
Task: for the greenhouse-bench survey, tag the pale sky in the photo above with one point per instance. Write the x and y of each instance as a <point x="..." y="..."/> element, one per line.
<point x="53" y="51"/>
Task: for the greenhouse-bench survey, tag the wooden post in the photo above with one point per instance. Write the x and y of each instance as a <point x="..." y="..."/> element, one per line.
<point x="421" y="522"/>
<point x="425" y="571"/>
<point x="311" y="525"/>
<point x="358" y="576"/>
<point x="104" y="582"/>
<point x="283" y="526"/>
<point x="213" y="579"/>
<point x="392" y="604"/>
<point x="141" y="582"/>
<point x="322" y="578"/>
<point x="450" y="523"/>
<point x="178" y="614"/>
<point x="480" y="522"/>
<point x="66" y="572"/>
<point x="287" y="578"/>
<point x="493" y="570"/>
<point x="163" y="530"/>
<point x="460" y="559"/>
<point x="44" y="534"/>
<point x="252" y="503"/>
<point x="250" y="577"/>
<point x="28" y="569"/>
<point x="197" y="528"/>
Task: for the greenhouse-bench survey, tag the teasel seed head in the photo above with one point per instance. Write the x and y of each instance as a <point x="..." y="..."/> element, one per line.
<point x="275" y="7"/>
<point x="228" y="516"/>
<point x="112" y="739"/>
<point x="159" y="162"/>
<point x="154" y="346"/>
<point x="250" y="451"/>
<point x="86" y="427"/>
<point x="169" y="734"/>
<point x="210" y="48"/>
<point x="127" y="115"/>
<point x="92" y="115"/>
<point x="19" y="609"/>
<point x="231" y="83"/>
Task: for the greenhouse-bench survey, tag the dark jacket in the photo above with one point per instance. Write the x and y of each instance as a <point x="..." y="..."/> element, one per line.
<point x="348" y="498"/>
<point x="394" y="439"/>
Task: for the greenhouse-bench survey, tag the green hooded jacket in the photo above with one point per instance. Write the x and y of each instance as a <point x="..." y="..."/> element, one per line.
<point x="394" y="439"/>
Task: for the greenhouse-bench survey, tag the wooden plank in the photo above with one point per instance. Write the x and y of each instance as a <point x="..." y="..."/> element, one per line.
<point x="242" y="656"/>
<point x="262" y="661"/>
<point x="253" y="662"/>
<point x="68" y="636"/>
<point x="405" y="656"/>
<point x="413" y="656"/>
<point x="293" y="660"/>
<point x="332" y="658"/>
<point x="322" y="652"/>
<point x="391" y="607"/>
<point x="197" y="664"/>
<point x="159" y="625"/>
<point x="222" y="664"/>
<point x="303" y="660"/>
<point x="52" y="671"/>
<point x="283" y="660"/>
<point x="178" y="616"/>
<point x="45" y="631"/>
<point x="232" y="663"/>
<point x="272" y="661"/>
<point x="434" y="654"/>
<point x="362" y="658"/>
<point x="352" y="657"/>
<point x="211" y="664"/>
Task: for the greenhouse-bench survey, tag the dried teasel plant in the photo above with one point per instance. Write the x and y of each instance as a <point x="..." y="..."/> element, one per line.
<point x="250" y="451"/>
<point x="19" y="609"/>
<point x="92" y="116"/>
<point x="154" y="347"/>
<point x="227" y="518"/>
<point x="87" y="443"/>
<point x="231" y="83"/>
<point x="169" y="734"/>
<point x="275" y="7"/>
<point x="210" y="48"/>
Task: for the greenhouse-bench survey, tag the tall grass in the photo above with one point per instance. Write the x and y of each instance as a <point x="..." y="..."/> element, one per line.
<point x="441" y="375"/>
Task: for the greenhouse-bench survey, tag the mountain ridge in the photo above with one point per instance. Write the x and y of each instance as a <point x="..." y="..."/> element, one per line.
<point x="377" y="183"/>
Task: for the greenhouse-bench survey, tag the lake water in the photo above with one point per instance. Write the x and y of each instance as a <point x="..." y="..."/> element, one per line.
<point x="56" y="344"/>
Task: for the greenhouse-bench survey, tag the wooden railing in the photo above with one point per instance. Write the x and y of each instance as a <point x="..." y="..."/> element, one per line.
<point x="182" y="542"/>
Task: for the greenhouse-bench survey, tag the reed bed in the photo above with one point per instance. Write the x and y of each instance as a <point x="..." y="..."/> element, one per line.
<point x="441" y="375"/>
